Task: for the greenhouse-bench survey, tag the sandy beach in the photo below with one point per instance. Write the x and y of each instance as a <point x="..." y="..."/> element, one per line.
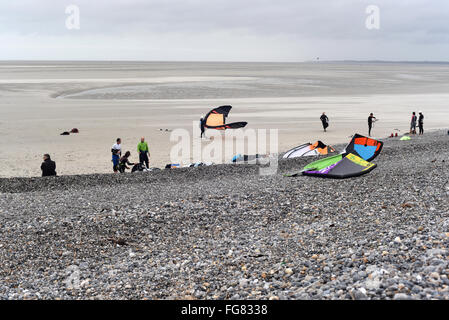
<point x="106" y="100"/>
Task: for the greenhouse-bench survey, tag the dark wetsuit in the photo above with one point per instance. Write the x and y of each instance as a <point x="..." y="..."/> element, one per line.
<point x="325" y="121"/>
<point x="421" y="124"/>
<point x="122" y="164"/>
<point x="370" y="124"/>
<point x="202" y="127"/>
<point x="143" y="150"/>
<point x="48" y="168"/>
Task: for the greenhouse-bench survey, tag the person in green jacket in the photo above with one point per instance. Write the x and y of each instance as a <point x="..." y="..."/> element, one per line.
<point x="144" y="152"/>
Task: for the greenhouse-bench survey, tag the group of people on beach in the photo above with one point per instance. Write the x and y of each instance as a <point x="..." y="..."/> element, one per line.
<point x="120" y="163"/>
<point x="371" y="119"/>
<point x="325" y="122"/>
<point x="420" y="121"/>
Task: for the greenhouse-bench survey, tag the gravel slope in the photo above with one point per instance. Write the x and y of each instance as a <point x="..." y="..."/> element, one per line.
<point x="225" y="232"/>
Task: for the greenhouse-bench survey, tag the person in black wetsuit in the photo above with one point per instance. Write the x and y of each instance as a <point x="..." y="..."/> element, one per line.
<point x="124" y="161"/>
<point x="325" y="121"/>
<point x="48" y="167"/>
<point x="371" y="119"/>
<point x="202" y="128"/>
<point x="421" y="123"/>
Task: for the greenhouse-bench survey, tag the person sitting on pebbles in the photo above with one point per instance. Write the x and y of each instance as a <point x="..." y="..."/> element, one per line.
<point x="125" y="161"/>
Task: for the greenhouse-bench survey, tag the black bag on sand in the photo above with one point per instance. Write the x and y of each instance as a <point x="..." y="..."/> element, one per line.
<point x="137" y="167"/>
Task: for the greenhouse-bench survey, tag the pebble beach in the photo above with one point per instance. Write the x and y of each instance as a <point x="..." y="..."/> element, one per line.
<point x="226" y="232"/>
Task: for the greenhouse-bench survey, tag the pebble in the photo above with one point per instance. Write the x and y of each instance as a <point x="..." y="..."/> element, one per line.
<point x="359" y="295"/>
<point x="288" y="271"/>
<point x="401" y="296"/>
<point x="435" y="275"/>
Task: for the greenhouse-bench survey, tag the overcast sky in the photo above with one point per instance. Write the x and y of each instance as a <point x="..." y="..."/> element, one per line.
<point x="224" y="30"/>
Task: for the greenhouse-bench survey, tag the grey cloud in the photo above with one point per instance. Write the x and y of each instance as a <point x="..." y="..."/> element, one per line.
<point x="318" y="23"/>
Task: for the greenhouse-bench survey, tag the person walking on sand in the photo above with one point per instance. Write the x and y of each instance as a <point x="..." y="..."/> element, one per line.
<point x="325" y="121"/>
<point x="48" y="167"/>
<point x="413" y="123"/>
<point x="371" y="120"/>
<point x="421" y="123"/>
<point x="116" y="154"/>
<point x="125" y="161"/>
<point x="202" y="128"/>
<point x="144" y="153"/>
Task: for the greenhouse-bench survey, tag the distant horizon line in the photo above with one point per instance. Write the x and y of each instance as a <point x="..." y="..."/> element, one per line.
<point x="236" y="61"/>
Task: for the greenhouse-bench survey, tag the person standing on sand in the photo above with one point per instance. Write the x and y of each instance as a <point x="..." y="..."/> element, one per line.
<point x="413" y="123"/>
<point x="421" y="123"/>
<point x="371" y="120"/>
<point x="144" y="153"/>
<point x="48" y="167"/>
<point x="116" y="154"/>
<point x="325" y="121"/>
<point x="202" y="128"/>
